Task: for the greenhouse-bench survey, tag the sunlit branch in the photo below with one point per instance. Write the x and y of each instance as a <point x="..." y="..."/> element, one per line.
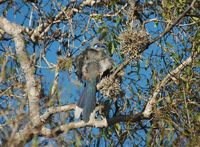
<point x="33" y="90"/>
<point x="53" y="110"/>
<point x="73" y="125"/>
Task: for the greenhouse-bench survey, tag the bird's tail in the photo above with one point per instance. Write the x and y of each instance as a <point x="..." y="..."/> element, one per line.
<point x="87" y="101"/>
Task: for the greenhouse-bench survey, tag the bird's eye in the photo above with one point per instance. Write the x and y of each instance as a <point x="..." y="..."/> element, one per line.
<point x="96" y="45"/>
<point x="103" y="46"/>
<point x="99" y="46"/>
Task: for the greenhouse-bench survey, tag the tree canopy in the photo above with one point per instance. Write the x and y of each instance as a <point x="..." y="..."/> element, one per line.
<point x="150" y="98"/>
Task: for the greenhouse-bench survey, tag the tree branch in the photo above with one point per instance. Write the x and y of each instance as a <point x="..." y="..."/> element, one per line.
<point x="126" y="62"/>
<point x="53" y="110"/>
<point x="33" y="90"/>
<point x="73" y="125"/>
<point x="168" y="28"/>
<point x="152" y="101"/>
<point x="125" y="118"/>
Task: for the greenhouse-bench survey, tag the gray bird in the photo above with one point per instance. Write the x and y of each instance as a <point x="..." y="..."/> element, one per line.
<point x="91" y="65"/>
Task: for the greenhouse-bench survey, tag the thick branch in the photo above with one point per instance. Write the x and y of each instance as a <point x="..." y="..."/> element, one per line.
<point x="73" y="125"/>
<point x="125" y="118"/>
<point x="32" y="89"/>
<point x="53" y="110"/>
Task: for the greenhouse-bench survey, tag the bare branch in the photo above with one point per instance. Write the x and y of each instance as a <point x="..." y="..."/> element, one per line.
<point x="3" y="70"/>
<point x="73" y="125"/>
<point x="53" y="110"/>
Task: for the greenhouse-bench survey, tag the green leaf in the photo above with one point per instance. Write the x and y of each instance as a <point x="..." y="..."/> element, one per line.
<point x="112" y="48"/>
<point x="35" y="141"/>
<point x="156" y="24"/>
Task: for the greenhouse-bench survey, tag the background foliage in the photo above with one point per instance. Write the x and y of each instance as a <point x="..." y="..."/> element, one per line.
<point x="155" y="45"/>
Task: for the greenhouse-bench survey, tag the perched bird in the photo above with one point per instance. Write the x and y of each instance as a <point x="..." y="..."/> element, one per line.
<point x="91" y="65"/>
